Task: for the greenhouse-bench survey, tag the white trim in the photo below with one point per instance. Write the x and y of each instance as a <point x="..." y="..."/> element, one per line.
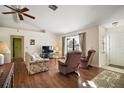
<point x="113" y="69"/>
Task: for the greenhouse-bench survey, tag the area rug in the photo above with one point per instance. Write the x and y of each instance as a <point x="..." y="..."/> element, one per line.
<point x="109" y="79"/>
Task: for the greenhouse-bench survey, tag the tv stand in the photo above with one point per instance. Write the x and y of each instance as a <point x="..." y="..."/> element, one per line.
<point x="46" y="55"/>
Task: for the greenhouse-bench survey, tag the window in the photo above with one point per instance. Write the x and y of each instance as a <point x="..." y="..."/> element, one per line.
<point x="72" y="43"/>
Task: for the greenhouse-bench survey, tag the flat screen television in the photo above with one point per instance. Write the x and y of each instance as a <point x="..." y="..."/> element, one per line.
<point x="47" y="49"/>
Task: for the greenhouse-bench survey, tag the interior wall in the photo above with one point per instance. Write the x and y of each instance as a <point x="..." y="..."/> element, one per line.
<point x="40" y="38"/>
<point x="92" y="42"/>
<point x="59" y="44"/>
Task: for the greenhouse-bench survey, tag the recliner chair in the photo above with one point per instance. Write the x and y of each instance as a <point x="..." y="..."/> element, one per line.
<point x="70" y="63"/>
<point x="85" y="62"/>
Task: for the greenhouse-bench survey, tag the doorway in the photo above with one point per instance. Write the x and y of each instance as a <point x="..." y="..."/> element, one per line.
<point x="17" y="47"/>
<point x="115" y="49"/>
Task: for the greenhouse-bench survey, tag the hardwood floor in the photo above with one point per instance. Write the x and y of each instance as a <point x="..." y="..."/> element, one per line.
<point x="51" y="78"/>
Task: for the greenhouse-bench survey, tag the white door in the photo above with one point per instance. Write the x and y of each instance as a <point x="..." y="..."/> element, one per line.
<point x="117" y="48"/>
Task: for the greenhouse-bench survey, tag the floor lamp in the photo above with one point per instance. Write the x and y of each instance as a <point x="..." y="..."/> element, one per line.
<point x="3" y="50"/>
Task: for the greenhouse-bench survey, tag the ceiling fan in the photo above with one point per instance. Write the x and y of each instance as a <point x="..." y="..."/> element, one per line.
<point x="20" y="12"/>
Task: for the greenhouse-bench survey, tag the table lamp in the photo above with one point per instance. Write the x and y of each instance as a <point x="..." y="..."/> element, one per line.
<point x="3" y="50"/>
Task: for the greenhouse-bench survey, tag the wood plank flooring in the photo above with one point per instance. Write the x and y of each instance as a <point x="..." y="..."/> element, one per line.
<point x="51" y="78"/>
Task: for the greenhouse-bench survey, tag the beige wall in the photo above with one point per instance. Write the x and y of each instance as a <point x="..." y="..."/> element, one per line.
<point x="92" y="41"/>
<point x="92" y="36"/>
<point x="40" y="38"/>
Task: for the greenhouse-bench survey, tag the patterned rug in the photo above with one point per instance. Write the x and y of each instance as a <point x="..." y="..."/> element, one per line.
<point x="109" y="79"/>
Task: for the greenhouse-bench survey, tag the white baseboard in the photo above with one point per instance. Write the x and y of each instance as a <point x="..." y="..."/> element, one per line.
<point x="95" y="66"/>
<point x="113" y="69"/>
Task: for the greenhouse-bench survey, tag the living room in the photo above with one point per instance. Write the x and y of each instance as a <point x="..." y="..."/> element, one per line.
<point x="58" y="32"/>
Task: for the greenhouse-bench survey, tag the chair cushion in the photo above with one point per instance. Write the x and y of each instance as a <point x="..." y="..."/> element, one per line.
<point x="62" y="60"/>
<point x="38" y="67"/>
<point x="83" y="59"/>
<point x="36" y="57"/>
<point x="33" y="58"/>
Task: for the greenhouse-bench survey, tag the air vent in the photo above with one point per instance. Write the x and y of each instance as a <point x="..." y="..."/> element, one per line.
<point x="53" y="7"/>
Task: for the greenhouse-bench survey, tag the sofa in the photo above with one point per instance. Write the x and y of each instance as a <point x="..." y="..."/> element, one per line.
<point x="35" y="64"/>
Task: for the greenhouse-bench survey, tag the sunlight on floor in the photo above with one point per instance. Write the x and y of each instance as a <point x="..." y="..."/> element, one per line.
<point x="89" y="83"/>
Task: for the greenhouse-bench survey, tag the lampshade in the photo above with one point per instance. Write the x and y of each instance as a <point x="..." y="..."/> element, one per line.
<point x="57" y="49"/>
<point x="3" y="48"/>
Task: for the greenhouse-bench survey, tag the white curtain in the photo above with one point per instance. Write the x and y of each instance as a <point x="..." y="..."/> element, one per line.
<point x="82" y="40"/>
<point x="63" y="45"/>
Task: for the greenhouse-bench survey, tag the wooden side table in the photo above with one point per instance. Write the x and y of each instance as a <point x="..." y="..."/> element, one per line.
<point x="6" y="79"/>
<point x="56" y="58"/>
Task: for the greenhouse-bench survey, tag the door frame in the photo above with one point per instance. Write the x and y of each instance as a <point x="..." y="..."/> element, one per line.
<point x="11" y="42"/>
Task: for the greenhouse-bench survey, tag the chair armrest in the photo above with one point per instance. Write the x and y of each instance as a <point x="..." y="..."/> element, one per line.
<point x="83" y="60"/>
<point x="31" y="62"/>
<point x="83" y="56"/>
<point x="62" y="62"/>
<point x="63" y="57"/>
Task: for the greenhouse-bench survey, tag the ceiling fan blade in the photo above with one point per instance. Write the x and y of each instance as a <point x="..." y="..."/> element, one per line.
<point x="28" y="15"/>
<point x="8" y="12"/>
<point x="20" y="16"/>
<point x="24" y="9"/>
<point x="10" y="7"/>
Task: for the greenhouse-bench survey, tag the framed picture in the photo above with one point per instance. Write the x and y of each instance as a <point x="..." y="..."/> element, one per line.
<point x="32" y="42"/>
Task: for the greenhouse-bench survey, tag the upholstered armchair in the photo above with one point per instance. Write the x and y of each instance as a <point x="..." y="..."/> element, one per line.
<point x="85" y="62"/>
<point x="70" y="63"/>
<point x="35" y="63"/>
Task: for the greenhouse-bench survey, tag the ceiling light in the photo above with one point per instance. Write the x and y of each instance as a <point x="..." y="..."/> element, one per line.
<point x="115" y="24"/>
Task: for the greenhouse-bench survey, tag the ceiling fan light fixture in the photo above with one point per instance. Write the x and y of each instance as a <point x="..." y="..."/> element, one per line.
<point x="20" y="12"/>
<point x="53" y="7"/>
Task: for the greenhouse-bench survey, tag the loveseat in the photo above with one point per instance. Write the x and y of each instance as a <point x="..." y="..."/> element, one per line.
<point x="35" y="64"/>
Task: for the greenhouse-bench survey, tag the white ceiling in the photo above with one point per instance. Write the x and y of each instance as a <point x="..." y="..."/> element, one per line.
<point x="65" y="19"/>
